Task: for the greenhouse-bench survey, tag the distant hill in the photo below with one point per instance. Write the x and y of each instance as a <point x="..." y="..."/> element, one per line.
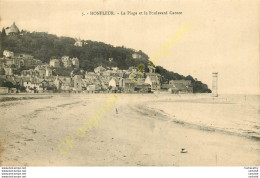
<point x="45" y="46"/>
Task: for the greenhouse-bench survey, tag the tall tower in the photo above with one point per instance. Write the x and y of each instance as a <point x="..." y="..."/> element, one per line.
<point x="215" y="84"/>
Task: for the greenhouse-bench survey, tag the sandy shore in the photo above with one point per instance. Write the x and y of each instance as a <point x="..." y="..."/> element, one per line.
<point x="31" y="130"/>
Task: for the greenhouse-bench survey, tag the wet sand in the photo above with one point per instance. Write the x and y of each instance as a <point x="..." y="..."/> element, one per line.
<point x="31" y="130"/>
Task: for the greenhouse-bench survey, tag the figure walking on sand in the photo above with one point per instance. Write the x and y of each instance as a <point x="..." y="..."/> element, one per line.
<point x="116" y="111"/>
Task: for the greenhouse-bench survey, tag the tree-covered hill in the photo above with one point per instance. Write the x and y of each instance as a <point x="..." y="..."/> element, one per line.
<point x="45" y="46"/>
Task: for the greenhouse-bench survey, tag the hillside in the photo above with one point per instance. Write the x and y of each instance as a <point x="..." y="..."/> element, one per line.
<point x="45" y="46"/>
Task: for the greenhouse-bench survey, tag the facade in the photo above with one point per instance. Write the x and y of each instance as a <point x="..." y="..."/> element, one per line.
<point x="55" y="63"/>
<point x="66" y="61"/>
<point x="127" y="85"/>
<point x="153" y="79"/>
<point x="8" y="71"/>
<point x="142" y="87"/>
<point x="75" y="62"/>
<point x="29" y="73"/>
<point x="48" y="72"/>
<point x="66" y="83"/>
<point x="43" y="71"/>
<point x="27" y="83"/>
<point x="19" y="60"/>
<point x="77" y="83"/>
<point x="57" y="83"/>
<point x="3" y="90"/>
<point x="112" y="83"/>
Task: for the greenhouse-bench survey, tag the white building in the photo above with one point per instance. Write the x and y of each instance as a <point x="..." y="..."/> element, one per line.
<point x="48" y="72"/>
<point x="112" y="82"/>
<point x="78" y="43"/>
<point x="54" y="63"/>
<point x="136" y="56"/>
<point x="8" y="54"/>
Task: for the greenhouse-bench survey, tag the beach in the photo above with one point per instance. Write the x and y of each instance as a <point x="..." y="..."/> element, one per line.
<point x="147" y="130"/>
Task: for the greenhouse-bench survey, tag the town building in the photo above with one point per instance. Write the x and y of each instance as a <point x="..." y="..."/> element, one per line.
<point x="19" y="60"/>
<point x="114" y="84"/>
<point x="43" y="71"/>
<point x="178" y="86"/>
<point x="57" y="83"/>
<point x="127" y="85"/>
<point x="55" y="63"/>
<point x="8" y="71"/>
<point x="142" y="87"/>
<point x="29" y="73"/>
<point x="153" y="79"/>
<point x="4" y="90"/>
<point x="77" y="83"/>
<point x="48" y="72"/>
<point x="75" y="62"/>
<point x="66" y="61"/>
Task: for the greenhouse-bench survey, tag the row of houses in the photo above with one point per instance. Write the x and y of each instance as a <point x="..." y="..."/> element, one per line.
<point x="40" y="78"/>
<point x="65" y="61"/>
<point x="19" y="60"/>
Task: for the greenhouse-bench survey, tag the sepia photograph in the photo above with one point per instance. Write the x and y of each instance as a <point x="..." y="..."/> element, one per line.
<point x="134" y="83"/>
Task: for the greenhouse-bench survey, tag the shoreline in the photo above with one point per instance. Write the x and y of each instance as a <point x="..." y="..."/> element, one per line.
<point x="32" y="130"/>
<point x="196" y="126"/>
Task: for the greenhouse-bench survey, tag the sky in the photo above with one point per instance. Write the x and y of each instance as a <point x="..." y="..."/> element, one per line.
<point x="225" y="41"/>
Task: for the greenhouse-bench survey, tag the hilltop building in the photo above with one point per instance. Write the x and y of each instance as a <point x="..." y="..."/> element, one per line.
<point x="136" y="56"/>
<point x="12" y="30"/>
<point x="78" y="42"/>
<point x="8" y="54"/>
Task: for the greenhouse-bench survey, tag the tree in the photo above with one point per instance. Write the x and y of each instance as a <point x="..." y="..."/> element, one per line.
<point x="3" y="33"/>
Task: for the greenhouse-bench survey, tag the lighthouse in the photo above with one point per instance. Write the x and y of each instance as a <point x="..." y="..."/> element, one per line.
<point x="215" y="84"/>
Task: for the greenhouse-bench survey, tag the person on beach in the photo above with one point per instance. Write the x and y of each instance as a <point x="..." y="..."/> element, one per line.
<point x="116" y="111"/>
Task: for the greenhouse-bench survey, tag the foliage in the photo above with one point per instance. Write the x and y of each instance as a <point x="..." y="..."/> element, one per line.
<point x="5" y="83"/>
<point x="62" y="71"/>
<point x="198" y="86"/>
